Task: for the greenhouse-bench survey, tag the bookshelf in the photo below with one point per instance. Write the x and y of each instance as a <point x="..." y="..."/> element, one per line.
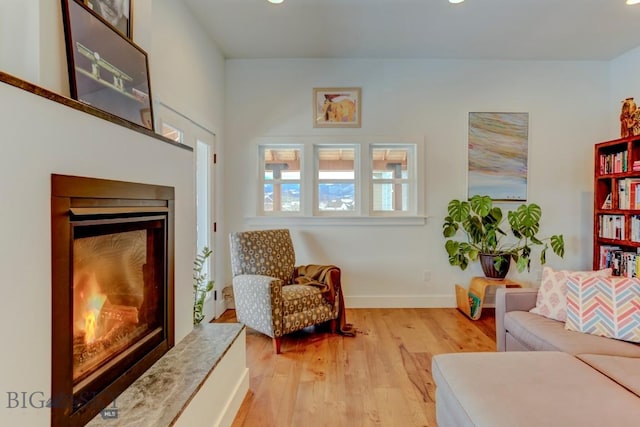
<point x="616" y="222"/>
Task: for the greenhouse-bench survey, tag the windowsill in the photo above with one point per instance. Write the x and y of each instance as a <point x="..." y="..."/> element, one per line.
<point x="334" y="221"/>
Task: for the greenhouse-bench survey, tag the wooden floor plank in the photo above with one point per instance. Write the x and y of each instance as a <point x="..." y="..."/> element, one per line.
<point x="380" y="377"/>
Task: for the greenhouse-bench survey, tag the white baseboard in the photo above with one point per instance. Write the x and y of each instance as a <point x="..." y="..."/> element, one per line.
<point x="400" y="301"/>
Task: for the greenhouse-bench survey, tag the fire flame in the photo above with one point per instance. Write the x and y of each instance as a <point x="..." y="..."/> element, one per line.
<point x="93" y="307"/>
<point x="89" y="327"/>
<point x="91" y="300"/>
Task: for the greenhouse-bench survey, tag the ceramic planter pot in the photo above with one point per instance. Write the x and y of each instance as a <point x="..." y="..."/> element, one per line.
<point x="487" y="261"/>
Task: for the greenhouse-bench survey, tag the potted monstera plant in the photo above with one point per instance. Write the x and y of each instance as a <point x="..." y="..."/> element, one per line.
<point x="494" y="238"/>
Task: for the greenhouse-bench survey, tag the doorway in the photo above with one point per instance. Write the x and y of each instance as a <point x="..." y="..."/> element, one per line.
<point x="184" y="130"/>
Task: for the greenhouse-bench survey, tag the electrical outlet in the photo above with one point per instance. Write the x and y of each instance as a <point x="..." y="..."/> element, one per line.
<point x="427" y="275"/>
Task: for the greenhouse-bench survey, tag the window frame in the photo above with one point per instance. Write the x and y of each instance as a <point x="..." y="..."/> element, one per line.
<point x="411" y="180"/>
<point x="279" y="181"/>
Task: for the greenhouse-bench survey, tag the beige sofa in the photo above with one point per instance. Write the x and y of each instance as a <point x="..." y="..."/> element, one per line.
<point x="543" y="375"/>
<point x="519" y="330"/>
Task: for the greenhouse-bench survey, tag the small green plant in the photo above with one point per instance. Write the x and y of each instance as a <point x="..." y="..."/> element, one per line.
<point x="201" y="284"/>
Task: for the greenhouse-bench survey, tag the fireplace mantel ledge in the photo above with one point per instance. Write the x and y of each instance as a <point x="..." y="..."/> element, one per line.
<point x="165" y="391"/>
<point x="81" y="106"/>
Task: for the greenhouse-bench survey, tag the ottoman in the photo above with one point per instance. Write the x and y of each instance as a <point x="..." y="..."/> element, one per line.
<point x="528" y="389"/>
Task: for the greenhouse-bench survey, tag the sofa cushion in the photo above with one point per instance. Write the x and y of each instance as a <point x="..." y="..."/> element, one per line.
<point x="539" y="333"/>
<point x="604" y="306"/>
<point x="528" y="389"/>
<point x="551" y="301"/>
<point x="623" y="370"/>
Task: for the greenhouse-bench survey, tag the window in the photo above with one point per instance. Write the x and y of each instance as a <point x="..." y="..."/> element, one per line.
<point x="336" y="171"/>
<point x="318" y="177"/>
<point x="392" y="185"/>
<point x="172" y="132"/>
<point x="281" y="178"/>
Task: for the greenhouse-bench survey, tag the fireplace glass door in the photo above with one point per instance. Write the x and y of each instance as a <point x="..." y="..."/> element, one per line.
<point x="117" y="292"/>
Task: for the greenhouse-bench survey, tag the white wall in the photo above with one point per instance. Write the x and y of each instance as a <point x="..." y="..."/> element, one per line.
<point x="188" y="69"/>
<point x="66" y="141"/>
<point x="188" y="76"/>
<point x="383" y="265"/>
<point x="41" y="137"/>
<point x="624" y="84"/>
<point x="19" y="39"/>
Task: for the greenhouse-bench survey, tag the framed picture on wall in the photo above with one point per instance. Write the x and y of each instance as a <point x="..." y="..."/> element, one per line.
<point x="106" y="69"/>
<point x="336" y="107"/>
<point x="498" y="155"/>
<point x="116" y="12"/>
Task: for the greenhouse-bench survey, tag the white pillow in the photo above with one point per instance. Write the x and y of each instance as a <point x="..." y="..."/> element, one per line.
<point x="552" y="294"/>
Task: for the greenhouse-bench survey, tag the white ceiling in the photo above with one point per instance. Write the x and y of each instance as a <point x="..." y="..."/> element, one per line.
<point x="475" y="29"/>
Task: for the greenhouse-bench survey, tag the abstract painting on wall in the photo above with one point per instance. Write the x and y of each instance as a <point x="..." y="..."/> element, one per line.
<point x="498" y="155"/>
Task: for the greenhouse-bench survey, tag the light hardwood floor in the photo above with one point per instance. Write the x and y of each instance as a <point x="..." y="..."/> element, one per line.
<point x="380" y="377"/>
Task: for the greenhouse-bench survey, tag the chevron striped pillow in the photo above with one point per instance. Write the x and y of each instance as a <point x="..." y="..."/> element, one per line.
<point x="604" y="306"/>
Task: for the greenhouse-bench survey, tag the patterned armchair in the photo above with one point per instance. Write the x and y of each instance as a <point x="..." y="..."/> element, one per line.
<point x="272" y="295"/>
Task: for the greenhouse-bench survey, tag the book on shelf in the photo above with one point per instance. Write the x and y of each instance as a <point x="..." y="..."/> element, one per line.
<point x="622" y="263"/>
<point x="634" y="234"/>
<point x="628" y="197"/>
<point x="605" y="255"/>
<point x="612" y="227"/>
<point x="607" y="202"/>
<point x="613" y="163"/>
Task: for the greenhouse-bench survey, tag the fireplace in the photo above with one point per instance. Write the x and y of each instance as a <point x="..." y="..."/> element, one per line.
<point x="112" y="290"/>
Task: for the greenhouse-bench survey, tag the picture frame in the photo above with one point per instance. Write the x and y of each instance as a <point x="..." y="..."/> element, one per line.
<point x="106" y="69"/>
<point x="117" y="13"/>
<point x="498" y="150"/>
<point x="337" y="107"/>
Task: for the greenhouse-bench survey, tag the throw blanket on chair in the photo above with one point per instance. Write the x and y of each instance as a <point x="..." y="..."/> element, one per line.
<point x="320" y="277"/>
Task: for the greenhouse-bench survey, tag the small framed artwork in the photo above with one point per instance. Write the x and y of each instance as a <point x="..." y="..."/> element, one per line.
<point x="116" y="12"/>
<point x="498" y="155"/>
<point x="106" y="69"/>
<point x="336" y="107"/>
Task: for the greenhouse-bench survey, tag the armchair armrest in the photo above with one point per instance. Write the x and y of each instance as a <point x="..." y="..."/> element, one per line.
<point x="259" y="302"/>
<point x="511" y="299"/>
